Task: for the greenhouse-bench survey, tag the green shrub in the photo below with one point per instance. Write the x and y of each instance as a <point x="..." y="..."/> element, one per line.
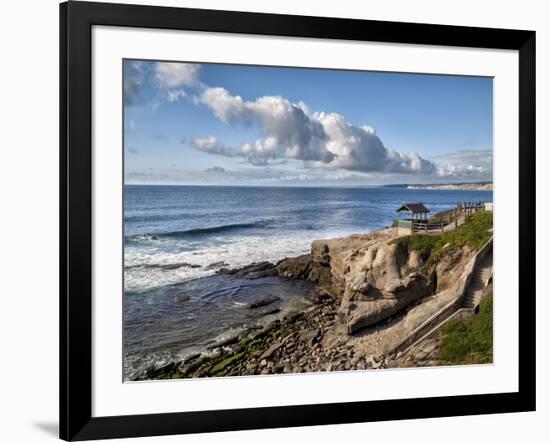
<point x="473" y="233"/>
<point x="470" y="342"/>
<point x="424" y="244"/>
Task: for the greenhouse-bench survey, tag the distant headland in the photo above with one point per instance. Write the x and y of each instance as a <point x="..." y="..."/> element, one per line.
<point x="448" y="186"/>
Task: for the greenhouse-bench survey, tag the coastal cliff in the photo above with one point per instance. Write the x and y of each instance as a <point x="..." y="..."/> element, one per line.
<point x="376" y="276"/>
<point x="461" y="186"/>
<point x="370" y="292"/>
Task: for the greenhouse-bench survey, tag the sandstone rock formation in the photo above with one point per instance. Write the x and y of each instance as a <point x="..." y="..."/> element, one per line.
<point x="376" y="279"/>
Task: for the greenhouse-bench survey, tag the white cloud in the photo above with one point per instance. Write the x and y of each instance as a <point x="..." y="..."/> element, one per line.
<point x="290" y="133"/>
<point x="359" y="149"/>
<point x="320" y="140"/>
<point x="215" y="169"/>
<point x="176" y="75"/>
<point x="462" y="171"/>
<point x="134" y="78"/>
<point x="467" y="164"/>
<point x="212" y="146"/>
<point x="175" y="95"/>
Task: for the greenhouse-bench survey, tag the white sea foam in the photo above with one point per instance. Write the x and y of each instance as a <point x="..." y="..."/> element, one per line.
<point x="142" y="273"/>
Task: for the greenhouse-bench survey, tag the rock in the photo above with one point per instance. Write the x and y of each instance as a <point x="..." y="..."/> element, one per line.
<point x="261" y="302"/>
<point x="359" y="311"/>
<point x="190" y="358"/>
<point x="294" y="316"/>
<point x="420" y="355"/>
<point x="305" y="267"/>
<point x="223" y="342"/>
<point x="180" y="298"/>
<point x="166" y="267"/>
<point x="252" y="271"/>
<point x="269" y="352"/>
<point x="309" y="336"/>
<point x="215" y="265"/>
<point x="272" y="311"/>
<point x="268" y="328"/>
<point x="251" y="365"/>
<point x="320" y="297"/>
<point x="369" y="360"/>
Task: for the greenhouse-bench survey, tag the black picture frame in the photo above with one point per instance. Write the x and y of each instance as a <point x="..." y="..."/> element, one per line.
<point x="76" y="21"/>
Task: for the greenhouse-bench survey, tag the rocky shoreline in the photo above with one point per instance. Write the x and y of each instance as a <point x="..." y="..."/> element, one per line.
<point x="370" y="292"/>
<point x="294" y="344"/>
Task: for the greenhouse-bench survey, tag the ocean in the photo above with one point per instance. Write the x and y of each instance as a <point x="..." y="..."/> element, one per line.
<point x="176" y="237"/>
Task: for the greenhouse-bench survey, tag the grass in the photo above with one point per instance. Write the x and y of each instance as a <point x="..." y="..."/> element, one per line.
<point x="473" y="233"/>
<point x="470" y="342"/>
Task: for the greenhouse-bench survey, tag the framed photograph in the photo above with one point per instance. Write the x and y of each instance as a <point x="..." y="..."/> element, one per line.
<point x="272" y="221"/>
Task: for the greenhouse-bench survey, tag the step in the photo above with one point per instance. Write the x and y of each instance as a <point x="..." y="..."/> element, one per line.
<point x="478" y="288"/>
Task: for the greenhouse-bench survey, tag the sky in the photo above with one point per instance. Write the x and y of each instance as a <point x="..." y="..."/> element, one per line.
<point x="215" y="124"/>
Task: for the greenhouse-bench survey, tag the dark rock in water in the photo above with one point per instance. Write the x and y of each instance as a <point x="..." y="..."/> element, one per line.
<point x="175" y="266"/>
<point x="306" y="267"/>
<point x="215" y="265"/>
<point x="272" y="311"/>
<point x="180" y="298"/>
<point x="260" y="302"/>
<point x="190" y="358"/>
<point x="223" y="342"/>
<point x="252" y="271"/>
<point x="164" y="372"/>
<point x="154" y="237"/>
<point x="294" y="268"/>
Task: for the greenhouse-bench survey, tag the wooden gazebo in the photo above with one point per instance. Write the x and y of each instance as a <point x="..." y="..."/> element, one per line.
<point x="416" y="211"/>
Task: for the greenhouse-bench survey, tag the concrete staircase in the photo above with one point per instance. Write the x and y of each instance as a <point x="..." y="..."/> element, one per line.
<point x="479" y="280"/>
<point x="461" y="308"/>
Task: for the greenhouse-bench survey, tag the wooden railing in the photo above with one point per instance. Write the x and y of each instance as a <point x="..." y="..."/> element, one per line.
<point x="452" y="219"/>
<point x="427" y="227"/>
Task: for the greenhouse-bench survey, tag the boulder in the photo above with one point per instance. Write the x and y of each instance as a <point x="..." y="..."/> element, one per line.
<point x="359" y="310"/>
<point x="180" y="298"/>
<point x="252" y="271"/>
<point x="261" y="302"/>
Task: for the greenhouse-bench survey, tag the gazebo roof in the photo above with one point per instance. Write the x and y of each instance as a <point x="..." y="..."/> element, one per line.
<point x="414" y="208"/>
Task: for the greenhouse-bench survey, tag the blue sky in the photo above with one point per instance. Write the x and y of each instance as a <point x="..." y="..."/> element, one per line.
<point x="229" y="124"/>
